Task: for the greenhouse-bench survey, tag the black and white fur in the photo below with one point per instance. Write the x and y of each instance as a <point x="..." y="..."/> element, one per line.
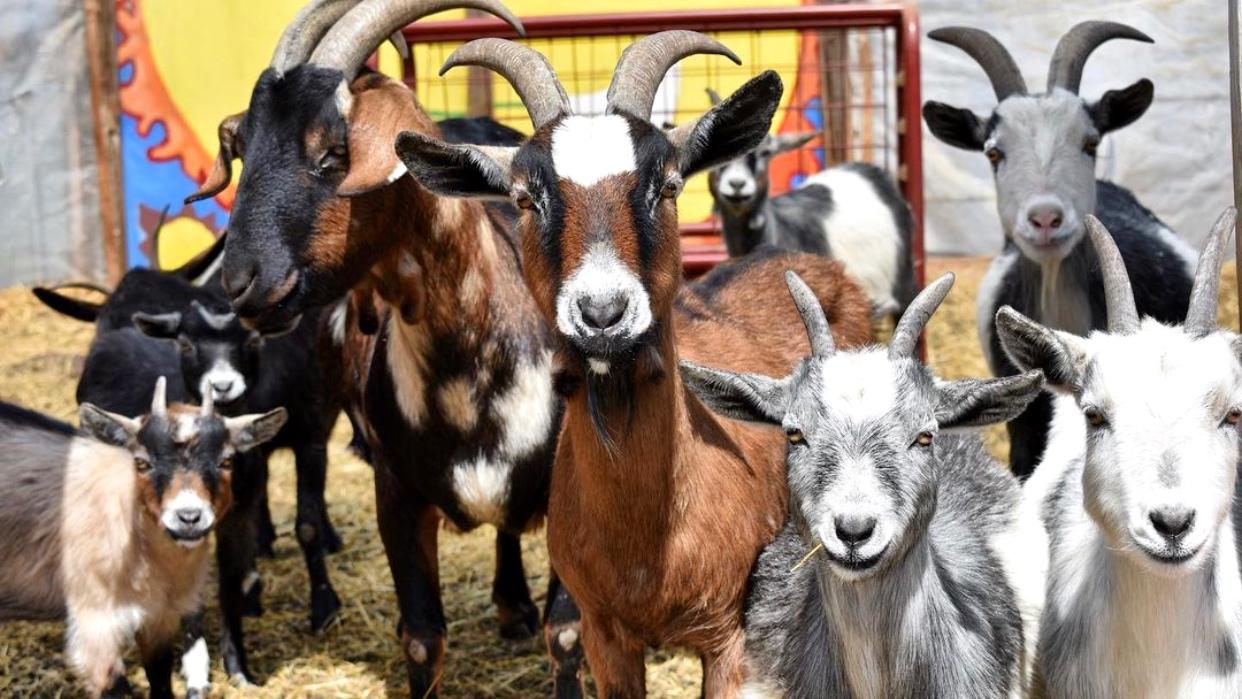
<point x="1135" y="501"/>
<point x="904" y="591"/>
<point x="1043" y="153"/>
<point x="852" y="213"/>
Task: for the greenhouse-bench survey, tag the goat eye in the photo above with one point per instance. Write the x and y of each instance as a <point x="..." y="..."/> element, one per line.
<point x="1091" y="145"/>
<point x="1095" y="417"/>
<point x="227" y="464"/>
<point x="335" y="159"/>
<point x="142" y="465"/>
<point x="994" y="156"/>
<point x="1233" y="417"/>
<point x="671" y="188"/>
<point x="925" y="439"/>
<point x="794" y="436"/>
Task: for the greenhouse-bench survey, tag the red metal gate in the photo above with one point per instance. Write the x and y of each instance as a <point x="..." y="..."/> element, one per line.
<point x="865" y="98"/>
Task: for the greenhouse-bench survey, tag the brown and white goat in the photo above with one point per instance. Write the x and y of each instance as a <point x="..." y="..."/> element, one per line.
<point x="658" y="508"/>
<point x="108" y="532"/>
<point x="457" y="389"/>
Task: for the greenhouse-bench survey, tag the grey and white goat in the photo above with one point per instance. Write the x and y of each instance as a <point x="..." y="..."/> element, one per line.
<point x="853" y="213"/>
<point x="1136" y="497"/>
<point x="910" y="596"/>
<point x="1042" y="148"/>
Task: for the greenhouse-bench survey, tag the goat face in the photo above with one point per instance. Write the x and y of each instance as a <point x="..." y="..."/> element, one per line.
<point x="862" y="428"/>
<point x="741" y="185"/>
<point x="1042" y="148"/>
<point x="184" y="459"/>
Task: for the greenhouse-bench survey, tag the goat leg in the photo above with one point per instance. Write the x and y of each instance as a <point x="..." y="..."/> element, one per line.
<point x="519" y="617"/>
<point x="312" y="471"/>
<point x="235" y="557"/>
<point x="267" y="530"/>
<point x="615" y="657"/>
<point x="156" y="650"/>
<point x="195" y="659"/>
<point x="562" y="633"/>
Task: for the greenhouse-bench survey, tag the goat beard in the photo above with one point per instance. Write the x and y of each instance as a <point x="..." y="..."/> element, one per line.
<point x="610" y="397"/>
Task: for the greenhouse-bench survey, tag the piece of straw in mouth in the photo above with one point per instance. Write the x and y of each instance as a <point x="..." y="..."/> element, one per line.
<point x="807" y="557"/>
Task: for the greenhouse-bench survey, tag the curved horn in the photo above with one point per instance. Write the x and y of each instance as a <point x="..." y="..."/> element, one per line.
<point x="1118" y="296"/>
<point x="217" y="321"/>
<point x="713" y="96"/>
<point x="159" y="402"/>
<point x="817" y="330"/>
<point x="1201" y="316"/>
<point x="527" y="70"/>
<point x="990" y="54"/>
<point x="209" y="404"/>
<point x="906" y="334"/>
<point x="356" y="35"/>
<point x="304" y="32"/>
<point x="1075" y="48"/>
<point x="643" y="64"/>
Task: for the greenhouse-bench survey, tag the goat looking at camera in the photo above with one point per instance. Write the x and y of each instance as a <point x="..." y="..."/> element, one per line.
<point x="909" y="521"/>
<point x="1136" y="499"/>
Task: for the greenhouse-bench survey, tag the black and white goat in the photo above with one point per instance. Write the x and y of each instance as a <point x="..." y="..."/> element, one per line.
<point x="1135" y="500"/>
<point x="1043" y="150"/>
<point x="910" y="596"/>
<point x="107" y="534"/>
<point x="852" y="213"/>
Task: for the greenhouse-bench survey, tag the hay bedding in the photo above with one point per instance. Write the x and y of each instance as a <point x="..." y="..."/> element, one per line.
<point x="358" y="656"/>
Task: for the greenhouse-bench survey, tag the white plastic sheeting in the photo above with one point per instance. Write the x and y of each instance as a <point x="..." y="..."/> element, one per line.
<point x="1176" y="158"/>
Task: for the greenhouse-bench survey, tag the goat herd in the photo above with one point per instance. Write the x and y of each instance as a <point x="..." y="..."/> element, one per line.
<point x="504" y="322"/>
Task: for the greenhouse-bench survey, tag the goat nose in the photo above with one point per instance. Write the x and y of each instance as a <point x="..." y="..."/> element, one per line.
<point x="189" y="515"/>
<point x="222" y="386"/>
<point x="238" y="278"/>
<point x="1172" y="522"/>
<point x="854" y="529"/>
<point x="737" y="183"/>
<point x="601" y="315"/>
<point x="1046" y="219"/>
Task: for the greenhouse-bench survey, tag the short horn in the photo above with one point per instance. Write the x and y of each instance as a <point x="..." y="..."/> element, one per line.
<point x="1201" y="316"/>
<point x="209" y="404"/>
<point x="304" y="32"/>
<point x="1073" y="50"/>
<point x="906" y="334"/>
<point x="713" y="96"/>
<point x="817" y="329"/>
<point x="159" y="402"/>
<point x="356" y="35"/>
<point x="527" y="70"/>
<point x="643" y="64"/>
<point x="990" y="54"/>
<point x="1118" y="296"/>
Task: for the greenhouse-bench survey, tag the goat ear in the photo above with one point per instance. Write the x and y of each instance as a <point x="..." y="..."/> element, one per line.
<point x="376" y="117"/>
<point x="956" y="127"/>
<point x="164" y="326"/>
<point x="457" y="170"/>
<point x="222" y="171"/>
<point x="783" y="143"/>
<point x="1062" y="357"/>
<point x="107" y="427"/>
<point x="249" y="431"/>
<point x="730" y="129"/>
<point x="980" y="402"/>
<point x="1118" y="108"/>
<point x="749" y="397"/>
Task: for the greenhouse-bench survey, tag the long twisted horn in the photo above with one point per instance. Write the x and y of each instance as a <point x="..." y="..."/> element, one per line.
<point x="817" y="329"/>
<point x="159" y="401"/>
<point x="1201" y="316"/>
<point x="1123" y="316"/>
<point x="527" y="70"/>
<point x="357" y="34"/>
<point x="1073" y="50"/>
<point x="643" y="64"/>
<point x="990" y="54"/>
<point x="906" y="334"/>
<point x="304" y="32"/>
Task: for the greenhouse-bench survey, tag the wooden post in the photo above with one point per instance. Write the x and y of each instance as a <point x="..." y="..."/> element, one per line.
<point x="834" y="54"/>
<point x="478" y="83"/>
<point x="1235" y="104"/>
<point x="100" y="28"/>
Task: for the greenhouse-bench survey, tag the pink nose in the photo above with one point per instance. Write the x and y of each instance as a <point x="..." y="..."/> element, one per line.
<point x="1045" y="220"/>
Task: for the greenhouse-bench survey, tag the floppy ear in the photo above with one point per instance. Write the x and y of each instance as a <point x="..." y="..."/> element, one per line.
<point x="249" y="431"/>
<point x="222" y="172"/>
<point x="1062" y="357"/>
<point x="164" y="326"/>
<point x="956" y="127"/>
<point x="376" y="117"/>
<point x="1118" y="108"/>
<point x="730" y="129"/>
<point x="107" y="427"/>
<point x="749" y="397"/>
<point x="979" y="402"/>
<point x="783" y="143"/>
<point x="456" y="170"/>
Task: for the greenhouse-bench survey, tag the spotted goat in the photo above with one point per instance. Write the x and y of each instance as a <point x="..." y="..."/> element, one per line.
<point x="894" y="547"/>
<point x="1042" y="148"/>
<point x="107" y="530"/>
<point x="658" y="508"/>
<point x="1136" y="499"/>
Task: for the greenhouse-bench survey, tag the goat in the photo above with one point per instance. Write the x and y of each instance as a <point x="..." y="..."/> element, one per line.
<point x="458" y="403"/>
<point x="910" y="521"/>
<point x="107" y="532"/>
<point x="852" y="213"/>
<point x="1042" y="149"/>
<point x="657" y="509"/>
<point x="1135" y="500"/>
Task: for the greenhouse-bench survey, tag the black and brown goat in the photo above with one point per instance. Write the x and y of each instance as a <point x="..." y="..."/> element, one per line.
<point x="658" y="508"/>
<point x="107" y="532"/>
<point x="457" y="390"/>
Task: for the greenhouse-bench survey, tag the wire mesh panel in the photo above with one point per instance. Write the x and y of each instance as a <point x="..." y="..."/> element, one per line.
<point x="844" y="69"/>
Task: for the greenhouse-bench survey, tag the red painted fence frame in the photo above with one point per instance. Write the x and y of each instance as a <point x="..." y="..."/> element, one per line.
<point x="902" y="18"/>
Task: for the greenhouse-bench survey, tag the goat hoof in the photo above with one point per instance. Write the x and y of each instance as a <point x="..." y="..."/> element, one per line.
<point x="519" y="624"/>
<point x="240" y="680"/>
<point x="324" y="607"/>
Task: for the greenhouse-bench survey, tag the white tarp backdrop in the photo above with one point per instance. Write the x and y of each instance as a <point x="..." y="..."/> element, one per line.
<point x="1176" y="158"/>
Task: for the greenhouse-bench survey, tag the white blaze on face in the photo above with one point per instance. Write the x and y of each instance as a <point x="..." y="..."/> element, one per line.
<point x="860" y="386"/>
<point x="587" y="149"/>
<point x="602" y="275"/>
<point x="224" y="381"/>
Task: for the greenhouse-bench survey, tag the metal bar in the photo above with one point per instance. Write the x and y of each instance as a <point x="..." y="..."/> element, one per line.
<point x="1235" y="105"/>
<point x="910" y="138"/>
